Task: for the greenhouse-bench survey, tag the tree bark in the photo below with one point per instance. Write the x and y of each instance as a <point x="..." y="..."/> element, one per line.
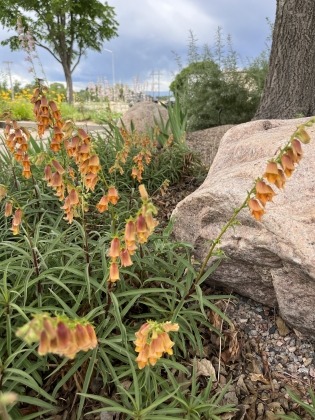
<point x="290" y="84"/>
<point x="69" y="83"/>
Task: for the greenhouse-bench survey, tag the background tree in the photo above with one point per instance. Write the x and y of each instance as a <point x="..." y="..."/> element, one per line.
<point x="65" y="28"/>
<point x="290" y="84"/>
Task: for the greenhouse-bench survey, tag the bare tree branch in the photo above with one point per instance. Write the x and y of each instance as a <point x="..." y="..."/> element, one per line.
<point x="78" y="61"/>
<point x="48" y="49"/>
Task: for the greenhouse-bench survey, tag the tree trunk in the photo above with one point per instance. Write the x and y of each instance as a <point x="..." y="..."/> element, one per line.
<point x="290" y="84"/>
<point x="68" y="77"/>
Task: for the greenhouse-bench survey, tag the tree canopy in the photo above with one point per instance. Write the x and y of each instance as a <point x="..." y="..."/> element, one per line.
<point x="65" y="28"/>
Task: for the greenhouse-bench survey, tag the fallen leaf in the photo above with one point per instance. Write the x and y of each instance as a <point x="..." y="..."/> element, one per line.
<point x="255" y="377"/>
<point x="205" y="368"/>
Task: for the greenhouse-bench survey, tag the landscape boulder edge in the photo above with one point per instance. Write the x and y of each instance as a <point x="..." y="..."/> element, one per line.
<point x="142" y="115"/>
<point x="273" y="261"/>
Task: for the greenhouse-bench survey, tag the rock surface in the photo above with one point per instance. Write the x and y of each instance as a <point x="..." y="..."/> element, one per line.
<point x="272" y="262"/>
<point x="142" y="114"/>
<point x="206" y="142"/>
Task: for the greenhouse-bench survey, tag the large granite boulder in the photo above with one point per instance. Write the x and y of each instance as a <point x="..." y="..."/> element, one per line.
<point x="272" y="261"/>
<point x="142" y="114"/>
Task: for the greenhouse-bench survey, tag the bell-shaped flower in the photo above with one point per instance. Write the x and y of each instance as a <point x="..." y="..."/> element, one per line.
<point x="287" y="165"/>
<point x="297" y="151"/>
<point x="90" y="181"/>
<point x="3" y="192"/>
<point x="256" y="210"/>
<point x="58" y="167"/>
<point x="125" y="257"/>
<point x="143" y="192"/>
<point x="8" y="209"/>
<point x="94" y="164"/>
<point x="26" y="173"/>
<point x="134" y="172"/>
<point x="113" y="272"/>
<point x="54" y="145"/>
<point x="272" y="172"/>
<point x="279" y="183"/>
<point x="114" y="251"/>
<point x="113" y="196"/>
<point x="58" y="134"/>
<point x="74" y="198"/>
<point x="26" y="161"/>
<point x="55" y="111"/>
<point x="48" y="173"/>
<point x="84" y="136"/>
<point x="130" y="231"/>
<point x="103" y="204"/>
<point x="264" y="192"/>
<point x="83" y="152"/>
<point x="18" y="155"/>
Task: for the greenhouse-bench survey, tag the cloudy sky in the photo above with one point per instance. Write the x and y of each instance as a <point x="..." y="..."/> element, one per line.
<point x="149" y="30"/>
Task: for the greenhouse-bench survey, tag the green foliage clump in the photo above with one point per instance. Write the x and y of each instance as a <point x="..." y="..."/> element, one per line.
<point x="213" y="90"/>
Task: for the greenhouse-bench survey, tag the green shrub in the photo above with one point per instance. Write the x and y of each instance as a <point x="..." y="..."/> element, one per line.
<point x="213" y="90"/>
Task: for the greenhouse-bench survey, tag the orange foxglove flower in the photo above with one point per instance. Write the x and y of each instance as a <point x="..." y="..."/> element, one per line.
<point x="264" y="192"/>
<point x="131" y="247"/>
<point x="16" y="221"/>
<point x="130" y="231"/>
<point x="90" y="181"/>
<point x="113" y="196"/>
<point x="279" y="183"/>
<point x="134" y="172"/>
<point x="113" y="272"/>
<point x="54" y="145"/>
<point x="26" y="173"/>
<point x="103" y="204"/>
<point x="152" y="341"/>
<point x="84" y="136"/>
<point x="151" y="222"/>
<point x="94" y="164"/>
<point x="297" y="150"/>
<point x="58" y="167"/>
<point x="58" y="134"/>
<point x="56" y="180"/>
<point x="8" y="209"/>
<point x="48" y="173"/>
<point x="44" y="104"/>
<point x="26" y="162"/>
<point x="40" y="130"/>
<point x="125" y="257"/>
<point x="143" y="192"/>
<point x="256" y="210"/>
<point x="287" y="165"/>
<point x="19" y="155"/>
<point x="74" y="198"/>
<point x="23" y="145"/>
<point x="114" y="251"/>
<point x="55" y="111"/>
<point x="272" y="172"/>
<point x="84" y="152"/>
<point x="3" y="192"/>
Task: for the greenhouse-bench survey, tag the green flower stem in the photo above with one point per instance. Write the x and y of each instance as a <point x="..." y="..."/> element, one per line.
<point x="217" y="240"/>
<point x="86" y="245"/>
